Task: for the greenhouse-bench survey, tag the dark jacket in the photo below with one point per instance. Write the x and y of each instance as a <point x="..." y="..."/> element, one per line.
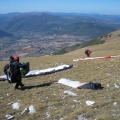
<point x="15" y="71"/>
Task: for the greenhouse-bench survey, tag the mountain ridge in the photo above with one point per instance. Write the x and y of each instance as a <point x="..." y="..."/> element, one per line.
<point x="38" y="34"/>
<point x="39" y="21"/>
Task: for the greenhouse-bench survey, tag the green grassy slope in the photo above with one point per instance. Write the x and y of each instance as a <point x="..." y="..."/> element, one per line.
<point x="47" y="96"/>
<point x="111" y="41"/>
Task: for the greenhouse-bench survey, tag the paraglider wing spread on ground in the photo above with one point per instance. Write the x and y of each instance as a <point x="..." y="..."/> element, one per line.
<point x="96" y="58"/>
<point x="42" y="72"/>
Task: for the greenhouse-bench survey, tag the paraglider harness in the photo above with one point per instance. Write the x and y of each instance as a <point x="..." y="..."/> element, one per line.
<point x="11" y="72"/>
<point x="91" y="85"/>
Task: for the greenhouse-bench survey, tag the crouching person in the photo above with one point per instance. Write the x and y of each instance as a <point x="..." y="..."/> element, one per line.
<point x="88" y="52"/>
<point x="13" y="73"/>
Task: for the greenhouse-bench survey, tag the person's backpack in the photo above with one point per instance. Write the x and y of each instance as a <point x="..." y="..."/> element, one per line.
<point x="24" y="69"/>
<point x="14" y="71"/>
<point x="10" y="71"/>
<point x="6" y="67"/>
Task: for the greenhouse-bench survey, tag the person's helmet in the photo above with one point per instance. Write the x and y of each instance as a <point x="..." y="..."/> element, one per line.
<point x="16" y="58"/>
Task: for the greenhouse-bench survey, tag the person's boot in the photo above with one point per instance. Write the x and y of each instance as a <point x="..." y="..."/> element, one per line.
<point x="22" y="85"/>
<point x="16" y="86"/>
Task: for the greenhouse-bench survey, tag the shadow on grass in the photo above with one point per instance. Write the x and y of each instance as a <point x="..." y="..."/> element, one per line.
<point x="37" y="86"/>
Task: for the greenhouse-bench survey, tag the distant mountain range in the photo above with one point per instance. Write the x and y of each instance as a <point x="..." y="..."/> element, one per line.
<point x="92" y="25"/>
<point x="45" y="33"/>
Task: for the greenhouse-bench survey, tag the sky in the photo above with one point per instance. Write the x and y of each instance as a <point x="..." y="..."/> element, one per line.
<point x="67" y="6"/>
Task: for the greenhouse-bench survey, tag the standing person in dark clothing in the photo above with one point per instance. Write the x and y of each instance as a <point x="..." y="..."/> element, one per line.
<point x="14" y="70"/>
<point x="88" y="52"/>
<point x="17" y="73"/>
